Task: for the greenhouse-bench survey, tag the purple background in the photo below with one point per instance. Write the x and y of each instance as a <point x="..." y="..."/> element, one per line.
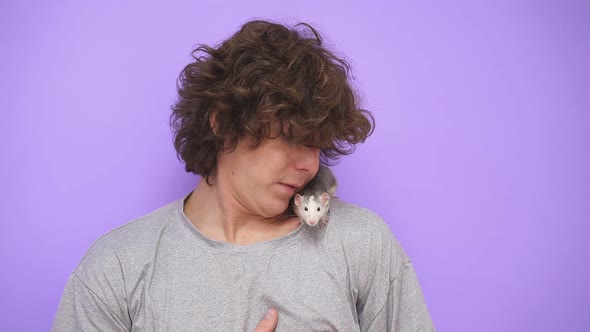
<point x="479" y="163"/>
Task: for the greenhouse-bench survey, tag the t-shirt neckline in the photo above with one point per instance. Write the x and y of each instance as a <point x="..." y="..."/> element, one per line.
<point x="263" y="246"/>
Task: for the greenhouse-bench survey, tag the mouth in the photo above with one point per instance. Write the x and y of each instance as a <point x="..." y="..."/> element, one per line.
<point x="288" y="187"/>
<point x="295" y="187"/>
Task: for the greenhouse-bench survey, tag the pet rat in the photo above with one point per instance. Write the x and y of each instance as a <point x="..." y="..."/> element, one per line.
<point x="312" y="203"/>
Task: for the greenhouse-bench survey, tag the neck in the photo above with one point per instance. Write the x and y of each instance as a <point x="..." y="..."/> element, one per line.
<point x="219" y="216"/>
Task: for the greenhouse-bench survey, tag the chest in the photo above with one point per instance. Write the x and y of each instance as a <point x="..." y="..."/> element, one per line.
<point x="204" y="291"/>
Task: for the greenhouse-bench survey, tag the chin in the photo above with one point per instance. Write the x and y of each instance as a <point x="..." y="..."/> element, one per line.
<point x="275" y="209"/>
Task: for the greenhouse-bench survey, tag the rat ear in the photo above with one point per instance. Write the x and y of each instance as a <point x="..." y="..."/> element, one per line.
<point x="298" y="199"/>
<point x="325" y="198"/>
<point x="332" y="190"/>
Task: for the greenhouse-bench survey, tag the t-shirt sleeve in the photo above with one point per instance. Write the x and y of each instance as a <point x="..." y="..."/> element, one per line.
<point x="95" y="297"/>
<point x="390" y="297"/>
<point x="81" y="309"/>
<point x="404" y="309"/>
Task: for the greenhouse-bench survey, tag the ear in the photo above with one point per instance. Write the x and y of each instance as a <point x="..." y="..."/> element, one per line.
<point x="298" y="199"/>
<point x="332" y="190"/>
<point x="325" y="198"/>
<point x="213" y="122"/>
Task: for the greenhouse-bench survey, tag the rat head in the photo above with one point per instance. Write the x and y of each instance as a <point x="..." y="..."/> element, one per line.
<point x="310" y="208"/>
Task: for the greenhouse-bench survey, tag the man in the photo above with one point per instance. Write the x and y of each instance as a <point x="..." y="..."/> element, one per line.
<point x="255" y="118"/>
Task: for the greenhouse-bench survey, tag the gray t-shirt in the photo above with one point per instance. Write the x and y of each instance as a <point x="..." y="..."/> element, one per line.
<point x="159" y="273"/>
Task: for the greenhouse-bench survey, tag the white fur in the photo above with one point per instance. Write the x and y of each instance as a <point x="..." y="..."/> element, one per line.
<point x="312" y="216"/>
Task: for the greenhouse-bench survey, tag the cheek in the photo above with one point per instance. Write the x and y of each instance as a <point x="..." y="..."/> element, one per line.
<point x="272" y="206"/>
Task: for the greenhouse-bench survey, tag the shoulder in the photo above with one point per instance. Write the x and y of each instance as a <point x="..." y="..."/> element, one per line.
<point x="358" y="223"/>
<point x="384" y="284"/>
<point x="364" y="236"/>
<point x="127" y="247"/>
<point x="138" y="232"/>
<point x="349" y="215"/>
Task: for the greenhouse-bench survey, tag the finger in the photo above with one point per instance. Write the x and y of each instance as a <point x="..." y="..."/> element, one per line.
<point x="269" y="323"/>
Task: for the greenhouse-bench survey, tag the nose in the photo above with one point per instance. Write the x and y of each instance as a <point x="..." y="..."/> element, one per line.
<point x="308" y="159"/>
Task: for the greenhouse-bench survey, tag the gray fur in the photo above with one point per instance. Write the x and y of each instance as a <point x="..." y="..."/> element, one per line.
<point x="312" y="203"/>
<point x="324" y="181"/>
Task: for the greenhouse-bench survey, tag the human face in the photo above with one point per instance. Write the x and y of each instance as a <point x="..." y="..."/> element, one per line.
<point x="261" y="182"/>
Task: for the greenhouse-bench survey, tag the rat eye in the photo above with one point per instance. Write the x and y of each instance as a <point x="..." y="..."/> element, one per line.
<point x="306" y="208"/>
<point x="318" y="209"/>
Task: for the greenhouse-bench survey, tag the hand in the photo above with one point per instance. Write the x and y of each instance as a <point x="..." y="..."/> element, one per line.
<point x="269" y="322"/>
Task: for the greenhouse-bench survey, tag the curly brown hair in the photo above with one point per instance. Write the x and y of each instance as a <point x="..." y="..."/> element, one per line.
<point x="264" y="73"/>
